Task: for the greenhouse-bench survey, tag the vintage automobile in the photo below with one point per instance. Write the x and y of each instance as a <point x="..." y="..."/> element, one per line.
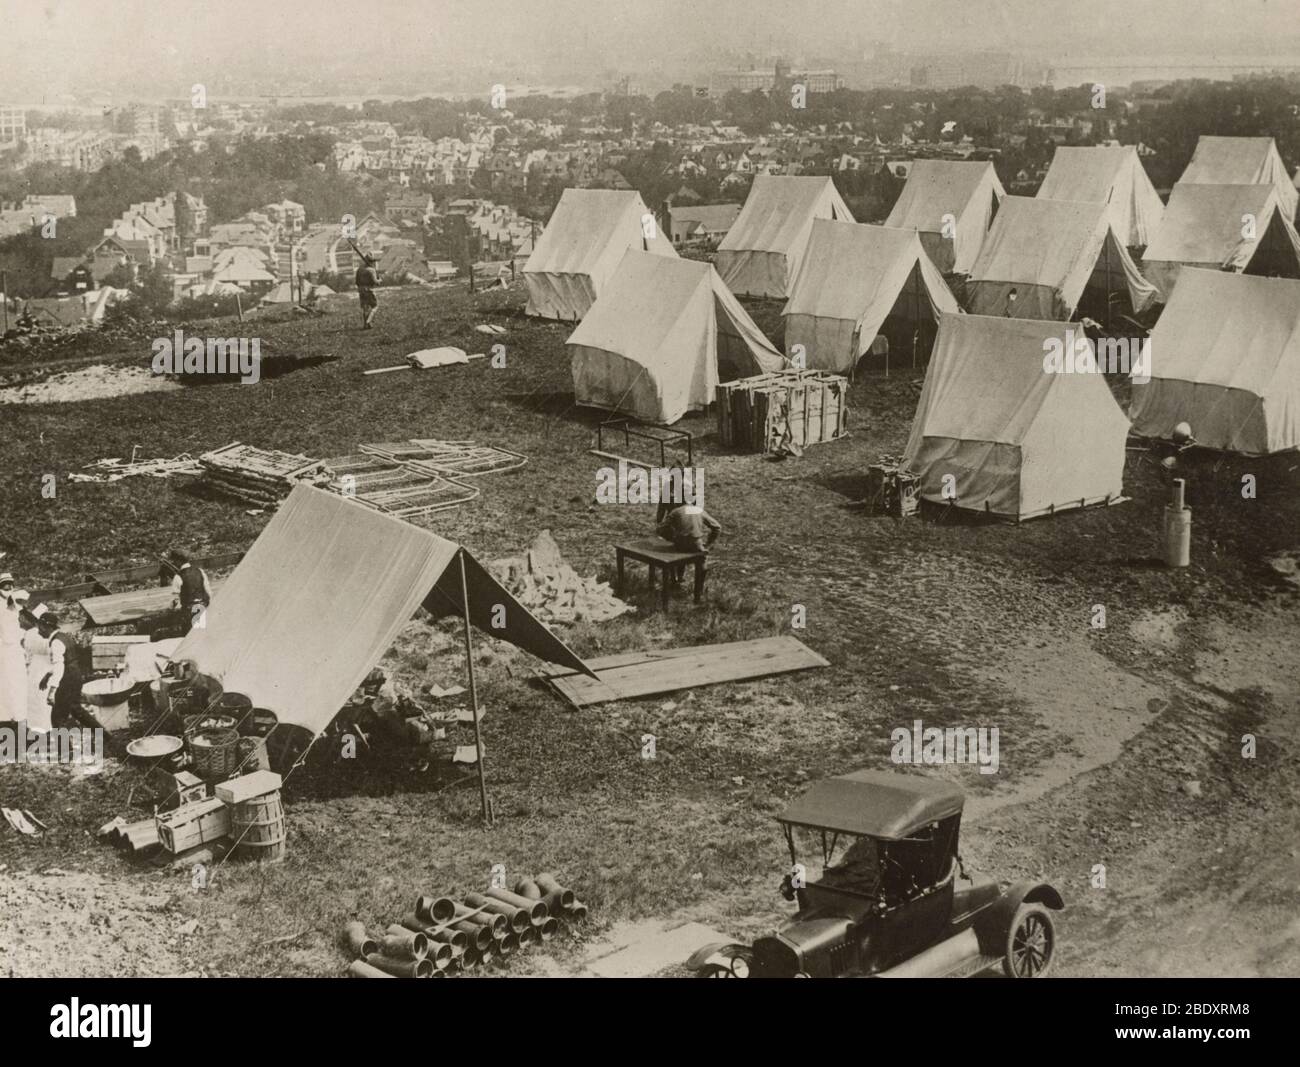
<point x="889" y="905"/>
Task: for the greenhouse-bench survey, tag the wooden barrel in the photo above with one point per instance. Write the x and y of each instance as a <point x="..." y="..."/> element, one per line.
<point x="258" y="723"/>
<point x="258" y="827"/>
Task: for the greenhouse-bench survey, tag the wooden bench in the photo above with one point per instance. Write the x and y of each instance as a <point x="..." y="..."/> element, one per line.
<point x="656" y="553"/>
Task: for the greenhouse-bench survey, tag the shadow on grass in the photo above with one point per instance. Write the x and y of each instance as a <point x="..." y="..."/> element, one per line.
<point x="270" y="368"/>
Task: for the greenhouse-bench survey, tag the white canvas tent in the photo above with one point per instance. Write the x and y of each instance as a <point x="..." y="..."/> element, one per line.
<point x="1241" y="161"/>
<point x="1235" y="228"/>
<point x="1110" y="175"/>
<point x="853" y="276"/>
<point x="761" y="253"/>
<point x="322" y="594"/>
<point x="661" y="337"/>
<point x="1047" y="253"/>
<point x="995" y="432"/>
<point x="1225" y="359"/>
<point x="938" y="188"/>
<point x="582" y="246"/>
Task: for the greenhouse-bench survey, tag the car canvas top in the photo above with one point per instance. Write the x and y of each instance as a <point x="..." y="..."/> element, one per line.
<point x="879" y="804"/>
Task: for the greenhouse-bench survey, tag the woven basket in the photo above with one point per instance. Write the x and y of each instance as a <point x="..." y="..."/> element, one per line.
<point x="215" y="753"/>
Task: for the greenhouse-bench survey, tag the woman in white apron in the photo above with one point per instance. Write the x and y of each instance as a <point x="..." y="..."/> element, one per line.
<point x="39" y="668"/>
<point x="13" y="666"/>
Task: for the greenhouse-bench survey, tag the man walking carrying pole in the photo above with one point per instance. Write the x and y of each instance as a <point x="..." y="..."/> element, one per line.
<point x="367" y="280"/>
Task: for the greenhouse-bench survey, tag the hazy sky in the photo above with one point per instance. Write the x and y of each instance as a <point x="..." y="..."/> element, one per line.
<point x="72" y="43"/>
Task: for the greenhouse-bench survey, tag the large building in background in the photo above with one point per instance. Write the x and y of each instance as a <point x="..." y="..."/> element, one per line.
<point x="778" y="79"/>
<point x="13" y="126"/>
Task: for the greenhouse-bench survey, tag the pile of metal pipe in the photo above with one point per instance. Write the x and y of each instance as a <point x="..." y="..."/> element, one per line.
<point x="444" y="936"/>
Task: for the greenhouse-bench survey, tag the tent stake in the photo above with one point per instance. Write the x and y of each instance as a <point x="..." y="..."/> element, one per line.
<point x="473" y="692"/>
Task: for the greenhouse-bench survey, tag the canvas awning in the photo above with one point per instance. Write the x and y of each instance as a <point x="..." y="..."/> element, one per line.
<point x="940" y="192"/>
<point x="764" y="247"/>
<point x="1225" y="360"/>
<point x="851" y="278"/>
<point x="1049" y="252"/>
<point x="1111" y="175"/>
<point x="660" y="339"/>
<point x="879" y="804"/>
<point x="323" y="593"/>
<point x="1241" y="161"/>
<point x="582" y="245"/>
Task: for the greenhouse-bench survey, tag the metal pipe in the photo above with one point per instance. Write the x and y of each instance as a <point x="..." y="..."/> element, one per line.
<point x="471" y="960"/>
<point x="435" y="909"/>
<point x="507" y="946"/>
<point x="578" y="913"/>
<point x="535" y="909"/>
<point x="458" y="940"/>
<point x="526" y="887"/>
<point x="497" y="924"/>
<point x="550" y="884"/>
<point x="440" y="955"/>
<point x="357" y="940"/>
<point x="553" y="905"/>
<point x="479" y="937"/>
<point x="548" y="929"/>
<point x="401" y="943"/>
<point x="528" y="938"/>
<point x="518" y="917"/>
<point x="401" y="968"/>
<point x="361" y="969"/>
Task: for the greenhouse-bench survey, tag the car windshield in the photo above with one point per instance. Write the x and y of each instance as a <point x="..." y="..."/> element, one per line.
<point x="838" y="861"/>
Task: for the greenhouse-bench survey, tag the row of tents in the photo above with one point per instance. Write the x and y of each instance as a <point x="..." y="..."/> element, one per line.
<point x="1233" y="209"/>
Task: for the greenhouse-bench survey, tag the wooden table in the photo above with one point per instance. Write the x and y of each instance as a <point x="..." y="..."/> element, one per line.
<point x="656" y="553"/>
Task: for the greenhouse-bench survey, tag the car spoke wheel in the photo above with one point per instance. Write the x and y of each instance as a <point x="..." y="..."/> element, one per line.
<point x="715" y="970"/>
<point x="1031" y="942"/>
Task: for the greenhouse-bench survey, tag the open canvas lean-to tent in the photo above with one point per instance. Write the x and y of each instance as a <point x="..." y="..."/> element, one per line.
<point x="661" y="337"/>
<point x="321" y="595"/>
<point x="1241" y="161"/>
<point x="1225" y="359"/>
<point x="763" y="249"/>
<point x="1050" y="252"/>
<point x="1236" y="228"/>
<point x="852" y="278"/>
<point x="995" y="432"/>
<point x="582" y="246"/>
<point x="1111" y="175"/>
<point x="951" y="204"/>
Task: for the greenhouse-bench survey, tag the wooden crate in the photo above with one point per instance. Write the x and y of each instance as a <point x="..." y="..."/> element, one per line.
<point x="756" y="413"/>
<point x="109" y="653"/>
<point x="194" y="824"/>
<point x="891" y="489"/>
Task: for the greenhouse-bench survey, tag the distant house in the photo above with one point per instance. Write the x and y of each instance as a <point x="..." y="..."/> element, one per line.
<point x="113" y="252"/>
<point x="73" y="274"/>
<point x="701" y="225"/>
<point x="409" y="206"/>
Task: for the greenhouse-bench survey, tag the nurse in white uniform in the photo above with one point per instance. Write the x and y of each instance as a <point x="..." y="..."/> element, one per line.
<point x="13" y="667"/>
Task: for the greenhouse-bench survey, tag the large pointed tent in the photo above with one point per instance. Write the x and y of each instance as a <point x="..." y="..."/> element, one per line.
<point x="1241" y="161"/>
<point x="853" y="277"/>
<point x="1237" y="228"/>
<point x="1047" y="253"/>
<point x="661" y="337"/>
<point x="1111" y="175"/>
<point x="996" y="432"/>
<point x="763" y="249"/>
<point x="951" y="204"/>
<point x="1225" y="359"/>
<point x="323" y="592"/>
<point x="582" y="246"/>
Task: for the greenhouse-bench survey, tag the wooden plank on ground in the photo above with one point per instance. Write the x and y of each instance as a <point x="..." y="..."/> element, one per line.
<point x="631" y="675"/>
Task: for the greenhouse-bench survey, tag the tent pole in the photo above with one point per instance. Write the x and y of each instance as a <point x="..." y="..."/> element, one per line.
<point x="473" y="692"/>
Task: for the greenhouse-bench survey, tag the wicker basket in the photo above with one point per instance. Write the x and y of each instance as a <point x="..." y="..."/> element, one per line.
<point x="215" y="753"/>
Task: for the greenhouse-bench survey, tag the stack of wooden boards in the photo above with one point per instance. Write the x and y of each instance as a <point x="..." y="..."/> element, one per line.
<point x="258" y="476"/>
<point x="791" y="407"/>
